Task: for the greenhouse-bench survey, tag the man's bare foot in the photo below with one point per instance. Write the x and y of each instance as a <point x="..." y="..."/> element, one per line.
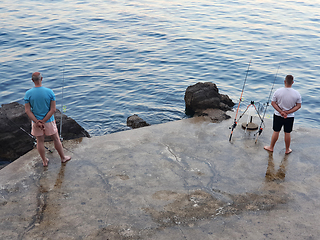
<point x="45" y="164"/>
<point x="290" y="150"/>
<point x="66" y="159"/>
<point x="268" y="148"/>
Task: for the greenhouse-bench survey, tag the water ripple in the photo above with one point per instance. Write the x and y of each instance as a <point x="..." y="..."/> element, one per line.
<point x="122" y="58"/>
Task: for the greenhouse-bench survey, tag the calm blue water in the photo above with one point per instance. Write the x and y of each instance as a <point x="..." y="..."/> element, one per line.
<point x="120" y="57"/>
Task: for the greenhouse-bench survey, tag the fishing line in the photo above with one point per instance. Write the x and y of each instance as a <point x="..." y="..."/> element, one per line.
<point x="262" y="120"/>
<point x="62" y="108"/>
<point x="235" y="119"/>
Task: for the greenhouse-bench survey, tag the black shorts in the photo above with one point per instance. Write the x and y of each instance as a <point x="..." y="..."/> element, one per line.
<point x="278" y="122"/>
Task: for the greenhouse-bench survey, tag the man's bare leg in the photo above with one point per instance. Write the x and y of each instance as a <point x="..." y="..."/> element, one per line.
<point x="287" y="140"/>
<point x="59" y="148"/>
<point x="274" y="139"/>
<point x="41" y="150"/>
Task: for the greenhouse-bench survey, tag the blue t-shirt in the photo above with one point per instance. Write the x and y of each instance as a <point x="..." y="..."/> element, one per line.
<point x="40" y="99"/>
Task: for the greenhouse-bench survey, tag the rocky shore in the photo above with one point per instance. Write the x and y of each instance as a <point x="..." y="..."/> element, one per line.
<point x="15" y="128"/>
<point x="201" y="99"/>
<point x="178" y="180"/>
<point x="204" y="99"/>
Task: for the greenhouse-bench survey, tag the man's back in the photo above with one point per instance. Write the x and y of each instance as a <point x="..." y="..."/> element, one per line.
<point x="286" y="98"/>
<point x="40" y="99"/>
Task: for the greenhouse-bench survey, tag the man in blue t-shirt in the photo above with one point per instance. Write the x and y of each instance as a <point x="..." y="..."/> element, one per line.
<point x="285" y="102"/>
<point x="40" y="106"/>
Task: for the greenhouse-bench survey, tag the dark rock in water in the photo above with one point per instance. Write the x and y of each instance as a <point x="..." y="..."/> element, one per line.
<point x="13" y="141"/>
<point x="15" y="128"/>
<point x="204" y="96"/>
<point x="135" y="121"/>
<point x="4" y="163"/>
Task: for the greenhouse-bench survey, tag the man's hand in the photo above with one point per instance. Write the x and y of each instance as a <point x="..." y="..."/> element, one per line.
<point x="40" y="124"/>
<point x="284" y="114"/>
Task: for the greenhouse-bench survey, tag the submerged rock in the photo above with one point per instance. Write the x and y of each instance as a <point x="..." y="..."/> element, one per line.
<point x="135" y="121"/>
<point x="203" y="96"/>
<point x="15" y="128"/>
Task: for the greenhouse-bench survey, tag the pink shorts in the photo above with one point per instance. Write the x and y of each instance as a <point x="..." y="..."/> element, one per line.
<point x="50" y="129"/>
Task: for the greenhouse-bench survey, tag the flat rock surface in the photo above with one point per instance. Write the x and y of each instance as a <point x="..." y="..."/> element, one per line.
<point x="178" y="180"/>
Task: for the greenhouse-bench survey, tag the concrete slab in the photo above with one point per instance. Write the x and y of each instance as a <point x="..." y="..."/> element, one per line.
<point x="179" y="180"/>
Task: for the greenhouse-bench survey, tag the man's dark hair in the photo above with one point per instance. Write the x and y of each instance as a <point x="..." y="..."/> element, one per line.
<point x="289" y="79"/>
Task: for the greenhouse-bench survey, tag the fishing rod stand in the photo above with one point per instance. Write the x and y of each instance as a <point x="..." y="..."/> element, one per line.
<point x="262" y="125"/>
<point x="249" y="125"/>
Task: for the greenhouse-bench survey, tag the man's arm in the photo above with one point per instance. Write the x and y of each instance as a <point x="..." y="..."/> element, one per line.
<point x="27" y="108"/>
<point x="294" y="109"/>
<point x="276" y="107"/>
<point x="51" y="111"/>
<point x="30" y="114"/>
<point x="285" y="113"/>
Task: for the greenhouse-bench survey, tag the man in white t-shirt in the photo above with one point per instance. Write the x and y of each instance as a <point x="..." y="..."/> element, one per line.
<point x="285" y="101"/>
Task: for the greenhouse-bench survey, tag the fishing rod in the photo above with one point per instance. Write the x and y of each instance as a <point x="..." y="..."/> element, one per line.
<point x="262" y="120"/>
<point x="34" y="139"/>
<point x="235" y="119"/>
<point x="61" y="139"/>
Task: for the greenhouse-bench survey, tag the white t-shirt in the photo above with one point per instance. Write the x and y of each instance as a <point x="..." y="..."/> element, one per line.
<point x="286" y="98"/>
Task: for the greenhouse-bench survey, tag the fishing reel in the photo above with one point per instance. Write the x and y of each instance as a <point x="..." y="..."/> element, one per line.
<point x="259" y="131"/>
<point x="35" y="145"/>
<point x="233" y="125"/>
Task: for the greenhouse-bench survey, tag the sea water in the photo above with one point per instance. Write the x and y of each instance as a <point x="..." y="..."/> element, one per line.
<point x="116" y="58"/>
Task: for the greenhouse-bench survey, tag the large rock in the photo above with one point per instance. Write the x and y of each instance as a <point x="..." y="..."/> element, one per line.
<point x="135" y="121"/>
<point x="15" y="128"/>
<point x="215" y="115"/>
<point x="203" y="96"/>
